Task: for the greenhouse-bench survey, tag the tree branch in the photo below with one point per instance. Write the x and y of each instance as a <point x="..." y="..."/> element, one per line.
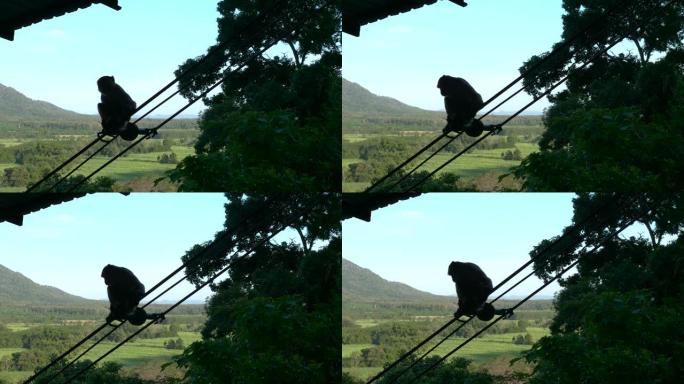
<point x="303" y="238"/>
<point x="295" y="53"/>
<point x="651" y="233"/>
<point x="640" y="49"/>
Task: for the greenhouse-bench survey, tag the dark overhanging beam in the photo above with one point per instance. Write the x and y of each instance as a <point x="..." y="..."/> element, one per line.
<point x="351" y="26"/>
<point x="351" y="23"/>
<point x="113" y="4"/>
<point x="7" y="34"/>
<point x="7" y="31"/>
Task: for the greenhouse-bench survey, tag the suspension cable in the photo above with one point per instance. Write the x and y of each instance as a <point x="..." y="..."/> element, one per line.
<point x="197" y="289"/>
<point x="536" y="99"/>
<point x="567" y="43"/>
<point x="575" y="228"/>
<point x="154" y="130"/>
<point x="433" y="154"/>
<point x="450" y="334"/>
<point x="148" y="135"/>
<point x="516" y="272"/>
<point x="547" y="283"/>
<point x="114" y="328"/>
<point x="61" y="166"/>
<point x="193" y="259"/>
<point x="261" y="17"/>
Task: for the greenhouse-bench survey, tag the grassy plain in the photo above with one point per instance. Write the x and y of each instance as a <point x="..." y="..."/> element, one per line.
<point x="481" y="350"/>
<point x="123" y="169"/>
<point x="135" y="165"/>
<point x="132" y="355"/>
<point x="140" y="351"/>
<point x="468" y="166"/>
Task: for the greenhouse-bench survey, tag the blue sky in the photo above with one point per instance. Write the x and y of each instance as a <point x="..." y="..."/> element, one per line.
<point x="67" y="245"/>
<point x="59" y="60"/>
<point x="403" y="56"/>
<point x="414" y="241"/>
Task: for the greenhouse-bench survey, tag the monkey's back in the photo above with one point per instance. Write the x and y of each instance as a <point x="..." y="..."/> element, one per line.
<point x="472" y="283"/>
<point x="461" y="101"/>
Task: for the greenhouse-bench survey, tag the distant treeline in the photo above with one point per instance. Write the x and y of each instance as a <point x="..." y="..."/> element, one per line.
<point x="530" y="310"/>
<point x="388" y="124"/>
<point x="85" y="126"/>
<point x="44" y="314"/>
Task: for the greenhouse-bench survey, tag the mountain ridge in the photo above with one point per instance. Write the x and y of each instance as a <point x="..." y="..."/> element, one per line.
<point x="362" y="284"/>
<point x="15" y="106"/>
<point x="17" y="289"/>
<point x="359" y="101"/>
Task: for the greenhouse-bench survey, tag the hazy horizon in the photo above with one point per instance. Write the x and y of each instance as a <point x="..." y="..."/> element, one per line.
<point x="507" y="297"/>
<point x="497" y="113"/>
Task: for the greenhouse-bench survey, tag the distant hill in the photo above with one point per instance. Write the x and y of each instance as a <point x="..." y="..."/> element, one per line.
<point x="14" y="106"/>
<point x="358" y="101"/>
<point x="17" y="289"/>
<point x="361" y="284"/>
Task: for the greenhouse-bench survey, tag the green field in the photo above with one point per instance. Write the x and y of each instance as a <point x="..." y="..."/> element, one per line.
<point x="10" y="142"/>
<point x="139" y="351"/>
<point x="469" y="165"/>
<point x="480" y="350"/>
<point x="348" y="349"/>
<point x="15" y="376"/>
<point x="9" y="351"/>
<point x="135" y="353"/>
<point x="123" y="169"/>
<point x="135" y="165"/>
<point x="15" y="327"/>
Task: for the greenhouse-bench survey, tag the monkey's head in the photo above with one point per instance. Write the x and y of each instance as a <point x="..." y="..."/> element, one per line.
<point x="105" y="83"/>
<point x="443" y="84"/>
<point x="454" y="269"/>
<point x="448" y="83"/>
<point x="107" y="273"/>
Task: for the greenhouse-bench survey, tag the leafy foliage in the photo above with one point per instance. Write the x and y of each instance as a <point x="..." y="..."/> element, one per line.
<point x="276" y="123"/>
<point x="276" y="317"/>
<point x="452" y="371"/>
<point x="108" y="373"/>
<point x="617" y="318"/>
<point x="618" y="124"/>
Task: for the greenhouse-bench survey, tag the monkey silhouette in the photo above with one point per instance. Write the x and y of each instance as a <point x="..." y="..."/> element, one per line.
<point x="125" y="292"/>
<point x="473" y="287"/>
<point x="462" y="102"/>
<point x="115" y="109"/>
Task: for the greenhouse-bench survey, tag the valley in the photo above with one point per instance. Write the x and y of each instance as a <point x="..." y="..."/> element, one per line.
<point x="36" y="137"/>
<point x="382" y="319"/>
<point x="37" y="322"/>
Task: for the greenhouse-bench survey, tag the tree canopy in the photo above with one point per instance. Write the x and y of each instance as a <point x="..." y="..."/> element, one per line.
<point x="618" y="317"/>
<point x="617" y="126"/>
<point x="276" y="123"/>
<point x="276" y="317"/>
